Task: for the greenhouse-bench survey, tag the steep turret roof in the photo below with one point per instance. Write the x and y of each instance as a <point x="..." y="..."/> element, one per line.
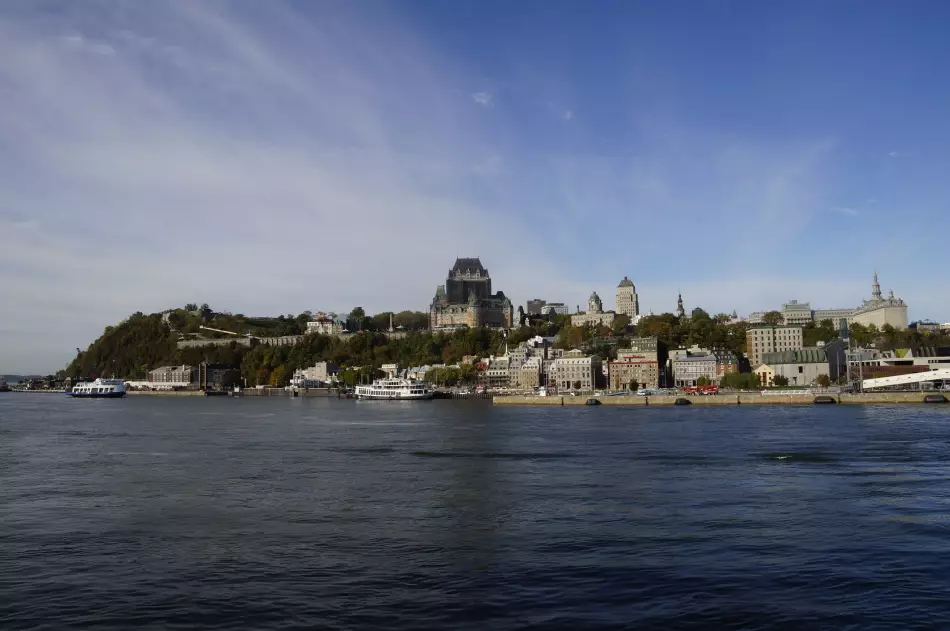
<point x="463" y="265"/>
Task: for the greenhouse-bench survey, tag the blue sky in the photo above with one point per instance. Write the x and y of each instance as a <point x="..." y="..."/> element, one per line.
<point x="272" y="157"/>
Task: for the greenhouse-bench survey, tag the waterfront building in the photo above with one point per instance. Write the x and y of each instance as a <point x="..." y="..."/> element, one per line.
<point x="801" y="367"/>
<point x="763" y="339"/>
<point x="216" y="376"/>
<point x="321" y="372"/>
<point x="628" y="303"/>
<point x="689" y="365"/>
<point x="595" y="314"/>
<point x="466" y="299"/>
<point x="528" y="375"/>
<point x="391" y="370"/>
<point x="575" y="372"/>
<point x="496" y="374"/>
<point x="641" y="362"/>
<point x="178" y="376"/>
<point x="765" y="374"/>
<point x="726" y="363"/>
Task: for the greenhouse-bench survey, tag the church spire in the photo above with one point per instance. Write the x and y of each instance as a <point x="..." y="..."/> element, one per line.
<point x="876" y="289"/>
<point x="680" y="311"/>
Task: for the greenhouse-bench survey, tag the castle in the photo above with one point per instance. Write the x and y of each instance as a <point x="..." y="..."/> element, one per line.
<point x="466" y="299"/>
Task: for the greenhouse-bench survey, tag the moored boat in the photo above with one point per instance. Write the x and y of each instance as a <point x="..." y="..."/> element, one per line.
<point x="99" y="389"/>
<point x="396" y="390"/>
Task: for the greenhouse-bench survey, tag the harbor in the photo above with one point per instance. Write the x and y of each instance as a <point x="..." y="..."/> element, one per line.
<point x="737" y="399"/>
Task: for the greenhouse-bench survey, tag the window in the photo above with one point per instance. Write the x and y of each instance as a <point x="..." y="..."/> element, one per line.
<point x="800" y="370"/>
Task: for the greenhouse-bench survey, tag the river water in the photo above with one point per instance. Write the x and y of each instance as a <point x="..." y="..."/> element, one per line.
<point x="276" y="513"/>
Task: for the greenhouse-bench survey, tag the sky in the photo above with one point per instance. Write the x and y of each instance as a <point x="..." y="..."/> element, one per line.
<point x="275" y="157"/>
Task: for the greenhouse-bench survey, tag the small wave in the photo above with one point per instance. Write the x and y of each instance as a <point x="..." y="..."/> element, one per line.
<point x="362" y="450"/>
<point x="493" y="455"/>
<point x="797" y="456"/>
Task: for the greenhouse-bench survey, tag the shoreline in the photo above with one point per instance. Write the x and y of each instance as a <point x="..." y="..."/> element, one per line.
<point x="737" y="399"/>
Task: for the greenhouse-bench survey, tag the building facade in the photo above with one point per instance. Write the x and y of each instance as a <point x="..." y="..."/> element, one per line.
<point x="643" y="362"/>
<point x="689" y="367"/>
<point x="763" y="339"/>
<point x="800" y="367"/>
<point x="595" y="314"/>
<point x="575" y="372"/>
<point x="321" y="372"/>
<point x="628" y="303"/>
<point x="881" y="311"/>
<point x="326" y="324"/>
<point x="466" y="299"/>
<point x="877" y="311"/>
<point x="178" y="375"/>
<point x="558" y="308"/>
<point x="533" y="307"/>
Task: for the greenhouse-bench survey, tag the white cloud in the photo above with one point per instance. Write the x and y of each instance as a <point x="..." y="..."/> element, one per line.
<point x="567" y="115"/>
<point x="845" y="210"/>
<point x="483" y="98"/>
<point x="893" y="154"/>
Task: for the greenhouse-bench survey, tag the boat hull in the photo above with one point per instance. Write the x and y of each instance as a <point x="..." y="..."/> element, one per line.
<point x="96" y="395"/>
<point x="395" y="397"/>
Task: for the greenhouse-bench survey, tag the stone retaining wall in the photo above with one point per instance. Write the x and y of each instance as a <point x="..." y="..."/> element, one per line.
<point x="744" y="398"/>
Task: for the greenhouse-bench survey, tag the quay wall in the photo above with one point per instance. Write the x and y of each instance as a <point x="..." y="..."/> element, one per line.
<point x="164" y="393"/>
<point x="744" y="398"/>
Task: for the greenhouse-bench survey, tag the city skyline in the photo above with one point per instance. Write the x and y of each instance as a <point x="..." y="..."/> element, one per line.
<point x="274" y="158"/>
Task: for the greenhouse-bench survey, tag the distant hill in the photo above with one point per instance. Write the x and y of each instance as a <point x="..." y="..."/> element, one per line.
<point x="144" y="342"/>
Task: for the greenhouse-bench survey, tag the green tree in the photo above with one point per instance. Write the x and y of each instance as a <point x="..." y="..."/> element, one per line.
<point x="634" y="385"/>
<point x="703" y="381"/>
<point x="823" y="380"/>
<point x="779" y="380"/>
<point x="773" y="317"/>
<point x="577" y="385"/>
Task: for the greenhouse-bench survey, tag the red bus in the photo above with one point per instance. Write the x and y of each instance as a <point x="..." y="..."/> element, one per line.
<point x="701" y="389"/>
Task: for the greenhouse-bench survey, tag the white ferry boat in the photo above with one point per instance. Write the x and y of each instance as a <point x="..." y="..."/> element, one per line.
<point x="395" y="389"/>
<point x="99" y="389"/>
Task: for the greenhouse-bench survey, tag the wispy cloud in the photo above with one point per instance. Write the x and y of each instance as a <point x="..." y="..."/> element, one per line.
<point x="568" y="115"/>
<point x="845" y="210"/>
<point x="483" y="98"/>
<point x="893" y="154"/>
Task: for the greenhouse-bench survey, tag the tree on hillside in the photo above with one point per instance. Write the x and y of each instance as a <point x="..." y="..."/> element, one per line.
<point x="773" y="317"/>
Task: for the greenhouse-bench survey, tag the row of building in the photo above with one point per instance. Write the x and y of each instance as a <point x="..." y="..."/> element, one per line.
<point x="878" y="311"/>
<point x="203" y="376"/>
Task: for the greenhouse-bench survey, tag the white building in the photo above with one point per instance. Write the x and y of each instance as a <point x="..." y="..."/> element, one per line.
<point x="320" y="373"/>
<point x="801" y="367"/>
<point x="595" y="314"/>
<point x="881" y="311"/>
<point x="325" y="324"/>
<point x="575" y="372"/>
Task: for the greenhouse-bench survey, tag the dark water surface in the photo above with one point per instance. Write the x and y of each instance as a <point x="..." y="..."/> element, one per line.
<point x="296" y="514"/>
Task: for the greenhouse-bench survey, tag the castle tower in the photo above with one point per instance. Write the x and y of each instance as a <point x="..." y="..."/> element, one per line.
<point x="627" y="301"/>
